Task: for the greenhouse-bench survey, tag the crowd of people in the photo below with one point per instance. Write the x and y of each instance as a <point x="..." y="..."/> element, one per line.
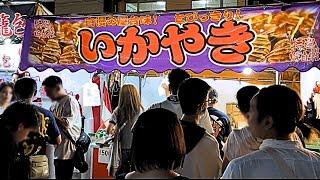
<point x="26" y="129"/>
<point x="272" y="146"/>
<point x="183" y="137"/>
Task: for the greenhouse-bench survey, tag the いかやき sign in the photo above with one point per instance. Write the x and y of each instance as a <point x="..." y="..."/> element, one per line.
<point x="198" y="40"/>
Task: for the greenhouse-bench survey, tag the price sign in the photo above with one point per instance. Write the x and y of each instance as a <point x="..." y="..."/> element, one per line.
<point x="104" y="155"/>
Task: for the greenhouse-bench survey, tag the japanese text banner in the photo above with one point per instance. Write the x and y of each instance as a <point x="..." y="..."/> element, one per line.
<point x="12" y="24"/>
<point x="259" y="38"/>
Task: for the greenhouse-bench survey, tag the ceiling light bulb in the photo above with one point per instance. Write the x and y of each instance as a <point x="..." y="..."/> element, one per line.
<point x="247" y="71"/>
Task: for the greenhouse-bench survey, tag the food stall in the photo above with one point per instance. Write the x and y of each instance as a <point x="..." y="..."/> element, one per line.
<point x="209" y="43"/>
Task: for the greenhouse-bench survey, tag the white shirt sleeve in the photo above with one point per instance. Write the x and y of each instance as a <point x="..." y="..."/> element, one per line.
<point x="204" y="161"/>
<point x="205" y="123"/>
<point x="213" y="163"/>
<point x="70" y="113"/>
<point x="232" y="171"/>
<point x="229" y="148"/>
<point x="210" y="162"/>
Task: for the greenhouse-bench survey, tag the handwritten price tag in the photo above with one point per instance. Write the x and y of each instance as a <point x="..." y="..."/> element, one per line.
<point x="104" y="155"/>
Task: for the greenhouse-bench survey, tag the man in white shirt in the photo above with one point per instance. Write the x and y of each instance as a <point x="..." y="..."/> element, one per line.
<point x="203" y="158"/>
<point x="274" y="113"/>
<point x="176" y="77"/>
<point x="66" y="109"/>
<point x="172" y="103"/>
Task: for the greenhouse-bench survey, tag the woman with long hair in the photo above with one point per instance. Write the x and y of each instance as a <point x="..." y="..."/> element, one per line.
<point x="6" y="95"/>
<point x="121" y="123"/>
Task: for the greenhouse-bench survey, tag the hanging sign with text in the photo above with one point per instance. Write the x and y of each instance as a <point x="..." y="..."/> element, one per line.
<point x="215" y="40"/>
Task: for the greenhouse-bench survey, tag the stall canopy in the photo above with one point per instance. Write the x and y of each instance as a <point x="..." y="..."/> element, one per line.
<point x="277" y="37"/>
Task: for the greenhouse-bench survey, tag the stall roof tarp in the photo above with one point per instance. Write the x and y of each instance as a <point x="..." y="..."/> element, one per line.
<point x="277" y="37"/>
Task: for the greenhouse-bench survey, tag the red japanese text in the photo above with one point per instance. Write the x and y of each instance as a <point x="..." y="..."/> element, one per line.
<point x="43" y="29"/>
<point x="18" y="25"/>
<point x="137" y="46"/>
<point x="5" y="29"/>
<point x="123" y="21"/>
<point x="10" y="25"/>
<point x="181" y="40"/>
<point x="213" y="16"/>
<point x="230" y="42"/>
<point x="93" y="47"/>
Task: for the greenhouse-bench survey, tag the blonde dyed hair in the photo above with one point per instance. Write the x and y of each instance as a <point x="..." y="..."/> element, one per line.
<point x="129" y="102"/>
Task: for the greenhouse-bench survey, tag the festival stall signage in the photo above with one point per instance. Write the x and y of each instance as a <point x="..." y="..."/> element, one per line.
<point x="12" y="22"/>
<point x="259" y="37"/>
<point x="12" y="25"/>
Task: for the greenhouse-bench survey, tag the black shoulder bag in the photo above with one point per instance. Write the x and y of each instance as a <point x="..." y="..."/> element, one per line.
<point x="82" y="146"/>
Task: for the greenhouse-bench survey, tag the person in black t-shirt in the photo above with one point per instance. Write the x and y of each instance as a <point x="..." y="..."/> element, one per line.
<point x="25" y="89"/>
<point x="14" y="129"/>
